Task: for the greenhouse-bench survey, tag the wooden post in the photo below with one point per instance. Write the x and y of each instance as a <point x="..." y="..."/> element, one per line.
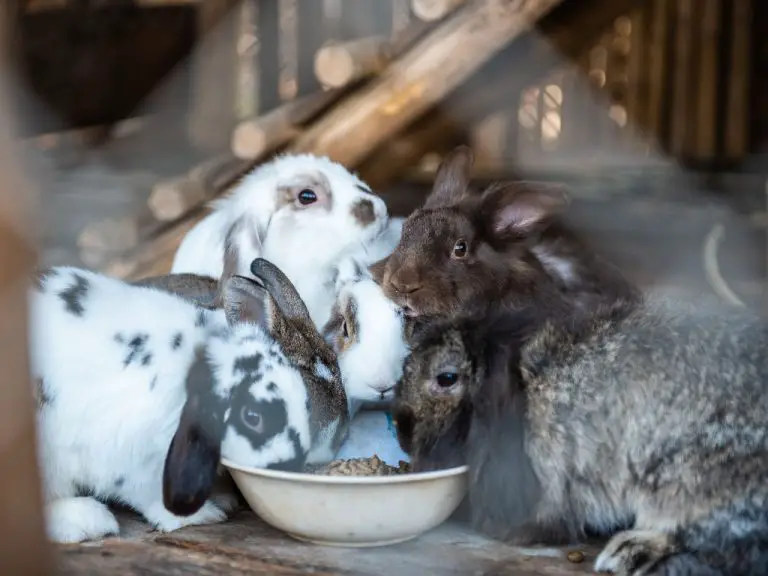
<point x="254" y="137"/>
<point x="23" y="546"/>
<point x="420" y="79"/>
<point x="432" y="10"/>
<point x="706" y="99"/>
<point x="682" y="95"/>
<point x="737" y="110"/>
<point x="657" y="85"/>
<point x="340" y="64"/>
<point x="214" y="63"/>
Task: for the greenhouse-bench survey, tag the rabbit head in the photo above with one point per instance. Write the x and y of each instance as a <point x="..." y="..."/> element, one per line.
<point x="246" y="400"/>
<point x="306" y="209"/>
<point x="301" y="343"/>
<point x="432" y="406"/>
<point x="366" y="331"/>
<point x="465" y="251"/>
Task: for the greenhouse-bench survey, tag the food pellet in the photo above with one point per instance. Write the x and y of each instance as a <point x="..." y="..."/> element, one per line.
<point x="373" y="466"/>
<point x="575" y="557"/>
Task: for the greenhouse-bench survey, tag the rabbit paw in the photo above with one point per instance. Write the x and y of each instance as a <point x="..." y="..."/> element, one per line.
<point x="77" y="519"/>
<point x="634" y="552"/>
<point x="227" y="501"/>
<point x="164" y="521"/>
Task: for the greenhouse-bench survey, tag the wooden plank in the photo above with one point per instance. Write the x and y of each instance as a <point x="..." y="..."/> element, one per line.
<point x="420" y="79"/>
<point x="708" y="85"/>
<point x="657" y="85"/>
<point x="23" y="546"/>
<point x="738" y="111"/>
<point x="683" y="94"/>
<point x="245" y="545"/>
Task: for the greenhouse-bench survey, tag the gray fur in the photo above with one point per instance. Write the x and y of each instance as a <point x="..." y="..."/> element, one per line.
<point x="74" y="295"/>
<point x="650" y="416"/>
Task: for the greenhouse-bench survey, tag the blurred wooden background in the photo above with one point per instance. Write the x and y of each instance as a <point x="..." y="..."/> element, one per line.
<point x="654" y="112"/>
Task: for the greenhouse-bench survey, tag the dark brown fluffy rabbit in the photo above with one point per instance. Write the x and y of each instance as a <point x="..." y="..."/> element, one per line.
<point x="467" y="251"/>
<point x="642" y="419"/>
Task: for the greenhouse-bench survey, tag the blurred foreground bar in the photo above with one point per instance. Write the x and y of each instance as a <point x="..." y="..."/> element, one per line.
<point x="23" y="547"/>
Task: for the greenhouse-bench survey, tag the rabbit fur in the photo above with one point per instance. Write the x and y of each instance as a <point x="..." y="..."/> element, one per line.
<point x="467" y="252"/>
<point x="366" y="330"/>
<point x="308" y="212"/>
<point x="641" y="419"/>
<point x="138" y="392"/>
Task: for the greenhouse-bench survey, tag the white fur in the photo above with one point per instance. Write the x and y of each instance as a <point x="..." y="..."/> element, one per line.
<point x="373" y="363"/>
<point x="305" y="244"/>
<point x="106" y="425"/>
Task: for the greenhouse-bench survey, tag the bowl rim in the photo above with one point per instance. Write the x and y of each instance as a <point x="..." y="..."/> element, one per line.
<point x="323" y="479"/>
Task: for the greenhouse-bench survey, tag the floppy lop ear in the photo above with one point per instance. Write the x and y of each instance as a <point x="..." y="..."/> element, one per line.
<point x="193" y="456"/>
<point x="452" y="178"/>
<point x="519" y="209"/>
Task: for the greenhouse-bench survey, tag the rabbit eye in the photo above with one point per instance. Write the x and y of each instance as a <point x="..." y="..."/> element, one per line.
<point x="252" y="419"/>
<point x="344" y="329"/>
<point x="447" y="379"/>
<point x="460" y="248"/>
<point x="307" y="196"/>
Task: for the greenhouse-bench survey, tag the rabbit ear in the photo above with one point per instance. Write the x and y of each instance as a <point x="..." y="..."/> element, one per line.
<point x="452" y="178"/>
<point x="290" y="322"/>
<point x="193" y="456"/>
<point x="242" y="243"/>
<point x="519" y="209"/>
<point x="244" y="300"/>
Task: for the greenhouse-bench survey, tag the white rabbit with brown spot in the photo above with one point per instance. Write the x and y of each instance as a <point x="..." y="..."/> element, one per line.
<point x="304" y="213"/>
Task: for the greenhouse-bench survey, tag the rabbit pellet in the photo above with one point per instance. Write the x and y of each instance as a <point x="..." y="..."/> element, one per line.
<point x="373" y="466"/>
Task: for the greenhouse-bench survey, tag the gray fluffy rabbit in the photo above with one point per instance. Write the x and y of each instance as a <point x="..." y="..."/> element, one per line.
<point x="645" y="420"/>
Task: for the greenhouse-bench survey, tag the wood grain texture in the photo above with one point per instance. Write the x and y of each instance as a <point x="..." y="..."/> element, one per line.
<point x="245" y="545"/>
<point x="420" y="78"/>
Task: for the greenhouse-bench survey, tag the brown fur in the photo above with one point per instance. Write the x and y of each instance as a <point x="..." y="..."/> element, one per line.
<point x="512" y="233"/>
<point x="199" y="289"/>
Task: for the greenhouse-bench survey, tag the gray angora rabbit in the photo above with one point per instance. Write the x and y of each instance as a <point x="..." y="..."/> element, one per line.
<point x="645" y="420"/>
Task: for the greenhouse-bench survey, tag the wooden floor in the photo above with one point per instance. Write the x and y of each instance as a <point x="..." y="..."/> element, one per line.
<point x="247" y="546"/>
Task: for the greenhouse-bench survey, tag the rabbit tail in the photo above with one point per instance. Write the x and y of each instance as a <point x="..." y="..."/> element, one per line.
<point x="730" y="542"/>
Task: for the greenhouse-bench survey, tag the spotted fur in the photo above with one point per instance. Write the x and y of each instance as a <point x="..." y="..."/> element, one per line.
<point x="139" y="392"/>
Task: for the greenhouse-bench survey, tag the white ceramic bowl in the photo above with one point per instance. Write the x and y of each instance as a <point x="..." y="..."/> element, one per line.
<point x="353" y="511"/>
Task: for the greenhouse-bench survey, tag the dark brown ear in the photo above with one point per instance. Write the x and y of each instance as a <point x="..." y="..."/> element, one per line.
<point x="377" y="270"/>
<point x="452" y="178"/>
<point x="518" y="209"/>
<point x="193" y="456"/>
<point x="244" y="300"/>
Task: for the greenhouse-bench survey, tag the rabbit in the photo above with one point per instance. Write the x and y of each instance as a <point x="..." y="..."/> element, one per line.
<point x="367" y="333"/>
<point x="642" y="419"/>
<point x="365" y="329"/>
<point x="138" y="393"/>
<point x="308" y="212"/>
<point x="467" y="252"/>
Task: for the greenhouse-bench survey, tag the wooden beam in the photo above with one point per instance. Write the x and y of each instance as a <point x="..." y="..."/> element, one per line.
<point x="171" y="199"/>
<point x="420" y="79"/>
<point x="23" y="545"/>
<point x="35" y="6"/>
<point x="433" y="10"/>
<point x="340" y="64"/>
<point x="562" y="35"/>
<point x="254" y="137"/>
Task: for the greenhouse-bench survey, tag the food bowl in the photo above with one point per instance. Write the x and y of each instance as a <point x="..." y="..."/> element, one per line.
<point x="351" y="511"/>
